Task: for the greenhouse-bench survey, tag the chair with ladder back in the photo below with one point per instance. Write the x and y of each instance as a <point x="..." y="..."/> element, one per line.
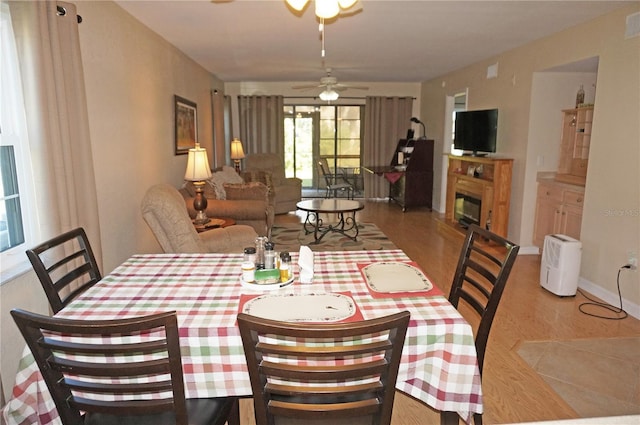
<point x="483" y="268"/>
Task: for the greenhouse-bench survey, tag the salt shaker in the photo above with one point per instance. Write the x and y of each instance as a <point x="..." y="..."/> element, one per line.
<point x="250" y="255"/>
<point x="269" y="256"/>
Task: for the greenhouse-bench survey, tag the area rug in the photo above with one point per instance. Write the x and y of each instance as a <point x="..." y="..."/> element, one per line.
<point x="596" y="377"/>
<point x="290" y="236"/>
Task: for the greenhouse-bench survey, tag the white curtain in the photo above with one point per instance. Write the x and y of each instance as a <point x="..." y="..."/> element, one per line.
<point x="57" y="121"/>
<point x="261" y="120"/>
<point x="386" y="121"/>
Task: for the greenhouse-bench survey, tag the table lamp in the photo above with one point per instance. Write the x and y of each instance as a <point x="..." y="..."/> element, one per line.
<point x="237" y="153"/>
<point x="197" y="172"/>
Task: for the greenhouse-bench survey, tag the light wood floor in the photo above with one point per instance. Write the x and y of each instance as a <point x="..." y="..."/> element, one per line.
<point x="513" y="392"/>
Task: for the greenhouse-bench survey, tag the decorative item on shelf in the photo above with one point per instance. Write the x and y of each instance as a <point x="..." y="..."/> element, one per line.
<point x="237" y="153"/>
<point x="424" y="129"/>
<point x="580" y="97"/>
<point x="197" y="172"/>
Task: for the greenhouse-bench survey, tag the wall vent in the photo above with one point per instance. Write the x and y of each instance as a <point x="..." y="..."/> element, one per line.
<point x="633" y="25"/>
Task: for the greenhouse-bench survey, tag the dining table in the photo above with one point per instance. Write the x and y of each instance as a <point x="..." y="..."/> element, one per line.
<point x="439" y="361"/>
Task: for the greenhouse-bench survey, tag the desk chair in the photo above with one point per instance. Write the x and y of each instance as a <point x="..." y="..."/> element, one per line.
<point x="334" y="181"/>
<point x="71" y="368"/>
<point x="483" y="268"/>
<point x="65" y="265"/>
<point x="323" y="371"/>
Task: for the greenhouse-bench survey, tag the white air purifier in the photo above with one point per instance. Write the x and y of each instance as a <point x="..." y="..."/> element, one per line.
<point x="560" y="266"/>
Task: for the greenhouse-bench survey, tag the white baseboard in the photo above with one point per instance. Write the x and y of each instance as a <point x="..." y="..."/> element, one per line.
<point x="529" y="250"/>
<point x="631" y="308"/>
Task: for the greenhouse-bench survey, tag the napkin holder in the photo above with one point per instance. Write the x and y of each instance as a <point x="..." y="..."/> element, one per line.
<point x="305" y="264"/>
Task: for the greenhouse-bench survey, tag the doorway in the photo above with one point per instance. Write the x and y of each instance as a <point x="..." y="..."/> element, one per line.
<point x="453" y="104"/>
<point x="331" y="132"/>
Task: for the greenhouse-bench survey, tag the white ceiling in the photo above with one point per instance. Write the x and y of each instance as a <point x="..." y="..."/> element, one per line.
<point x="385" y="41"/>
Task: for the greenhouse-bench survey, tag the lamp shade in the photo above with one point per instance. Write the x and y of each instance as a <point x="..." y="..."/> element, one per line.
<point x="327" y="9"/>
<point x="197" y="165"/>
<point x="297" y="4"/>
<point x="346" y="4"/>
<point x="237" y="152"/>
<point x="329" y="95"/>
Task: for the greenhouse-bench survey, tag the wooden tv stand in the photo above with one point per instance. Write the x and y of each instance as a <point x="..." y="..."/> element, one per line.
<point x="492" y="186"/>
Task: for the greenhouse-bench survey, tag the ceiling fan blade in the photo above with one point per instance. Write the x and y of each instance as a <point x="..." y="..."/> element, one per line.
<point x="349" y="86"/>
<point x="309" y="86"/>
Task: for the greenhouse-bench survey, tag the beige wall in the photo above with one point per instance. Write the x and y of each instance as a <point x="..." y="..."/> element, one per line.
<point x="611" y="224"/>
<point x="131" y="76"/>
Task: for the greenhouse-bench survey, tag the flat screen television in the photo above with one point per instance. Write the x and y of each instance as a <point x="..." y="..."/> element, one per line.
<point x="476" y="131"/>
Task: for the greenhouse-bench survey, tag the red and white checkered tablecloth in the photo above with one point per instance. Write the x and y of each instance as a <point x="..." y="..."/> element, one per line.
<point x="438" y="365"/>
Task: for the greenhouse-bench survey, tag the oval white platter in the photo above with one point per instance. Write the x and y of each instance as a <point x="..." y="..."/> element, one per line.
<point x="266" y="286"/>
<point x="323" y="307"/>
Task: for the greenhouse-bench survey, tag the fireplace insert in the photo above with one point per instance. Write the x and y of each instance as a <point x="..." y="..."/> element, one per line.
<point x="467" y="208"/>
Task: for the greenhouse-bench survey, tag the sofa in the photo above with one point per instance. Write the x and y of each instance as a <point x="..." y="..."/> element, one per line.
<point x="229" y="196"/>
<point x="164" y="210"/>
<point x="268" y="168"/>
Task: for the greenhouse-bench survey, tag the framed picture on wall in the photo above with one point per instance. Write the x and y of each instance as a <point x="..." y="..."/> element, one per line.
<point x="186" y="125"/>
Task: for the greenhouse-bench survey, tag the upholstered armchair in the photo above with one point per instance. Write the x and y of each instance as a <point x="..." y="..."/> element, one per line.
<point x="269" y="169"/>
<point x="164" y="210"/>
<point x="229" y="196"/>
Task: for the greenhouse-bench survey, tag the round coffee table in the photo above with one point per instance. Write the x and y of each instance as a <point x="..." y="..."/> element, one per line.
<point x="345" y="225"/>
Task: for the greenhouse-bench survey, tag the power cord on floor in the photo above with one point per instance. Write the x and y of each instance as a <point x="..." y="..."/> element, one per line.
<point x="606" y="306"/>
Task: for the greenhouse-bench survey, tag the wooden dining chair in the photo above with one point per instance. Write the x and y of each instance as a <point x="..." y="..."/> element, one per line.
<point x="323" y="371"/>
<point x="85" y="371"/>
<point x="483" y="268"/>
<point x="65" y="266"/>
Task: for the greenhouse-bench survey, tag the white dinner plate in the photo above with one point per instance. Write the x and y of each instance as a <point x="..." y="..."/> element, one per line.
<point x="395" y="277"/>
<point x="266" y="286"/>
<point x="301" y="307"/>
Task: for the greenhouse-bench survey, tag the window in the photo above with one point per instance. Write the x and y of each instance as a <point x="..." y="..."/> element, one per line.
<point x="333" y="132"/>
<point x="340" y="135"/>
<point x="17" y="216"/>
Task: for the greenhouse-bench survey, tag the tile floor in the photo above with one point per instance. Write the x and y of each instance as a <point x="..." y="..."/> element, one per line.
<point x="597" y="377"/>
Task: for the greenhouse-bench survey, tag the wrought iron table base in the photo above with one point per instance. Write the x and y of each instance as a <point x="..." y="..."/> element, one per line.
<point x="314" y="224"/>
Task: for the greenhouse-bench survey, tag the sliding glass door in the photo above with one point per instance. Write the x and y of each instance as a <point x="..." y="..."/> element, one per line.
<point x="332" y="132"/>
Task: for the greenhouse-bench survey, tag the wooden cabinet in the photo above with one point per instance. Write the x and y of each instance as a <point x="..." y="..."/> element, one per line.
<point x="558" y="210"/>
<point x="414" y="187"/>
<point x="561" y="197"/>
<point x="486" y="179"/>
<point x="575" y="144"/>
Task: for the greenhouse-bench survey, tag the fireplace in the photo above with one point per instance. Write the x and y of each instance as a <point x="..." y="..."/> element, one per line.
<point x="467" y="208"/>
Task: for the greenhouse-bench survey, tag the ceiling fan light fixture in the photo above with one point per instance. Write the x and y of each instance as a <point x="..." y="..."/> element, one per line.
<point x="297" y="4"/>
<point x="327" y="9"/>
<point x="329" y="95"/>
<point x="346" y="4"/>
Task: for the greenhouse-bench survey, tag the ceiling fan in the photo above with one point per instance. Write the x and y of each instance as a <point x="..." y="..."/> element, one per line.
<point x="331" y="87"/>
